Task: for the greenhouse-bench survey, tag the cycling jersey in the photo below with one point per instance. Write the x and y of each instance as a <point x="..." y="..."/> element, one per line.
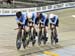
<point x="53" y="20"/>
<point x="23" y="19"/>
<point x="33" y="17"/>
<point x="44" y="19"/>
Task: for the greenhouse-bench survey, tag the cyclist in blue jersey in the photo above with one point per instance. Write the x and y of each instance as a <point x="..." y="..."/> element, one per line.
<point x="34" y="17"/>
<point x="44" y="19"/>
<point x="54" y="23"/>
<point x="43" y="23"/>
<point x="21" y="19"/>
<point x="22" y="22"/>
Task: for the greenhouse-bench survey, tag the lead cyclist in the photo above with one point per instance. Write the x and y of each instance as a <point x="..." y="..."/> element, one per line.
<point x="22" y="23"/>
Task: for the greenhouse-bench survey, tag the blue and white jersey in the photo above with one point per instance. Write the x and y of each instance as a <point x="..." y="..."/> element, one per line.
<point x="32" y="16"/>
<point x="22" y="19"/>
<point x="53" y="19"/>
<point x="44" y="18"/>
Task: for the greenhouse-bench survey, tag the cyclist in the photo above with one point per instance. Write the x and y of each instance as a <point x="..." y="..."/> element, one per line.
<point x="20" y="19"/>
<point x="32" y="22"/>
<point x="44" y="23"/>
<point x="22" y="22"/>
<point x="44" y="19"/>
<point x="31" y="17"/>
<point x="34" y="17"/>
<point x="54" y="22"/>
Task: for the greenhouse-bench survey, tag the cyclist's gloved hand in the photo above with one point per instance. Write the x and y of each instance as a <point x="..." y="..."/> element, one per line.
<point x="19" y="22"/>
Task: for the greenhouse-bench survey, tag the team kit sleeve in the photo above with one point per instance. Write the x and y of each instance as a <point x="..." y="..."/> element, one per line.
<point x="17" y="20"/>
<point x="24" y="19"/>
<point x="34" y="16"/>
<point x="45" y="17"/>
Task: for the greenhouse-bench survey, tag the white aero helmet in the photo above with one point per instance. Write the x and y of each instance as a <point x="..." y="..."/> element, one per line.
<point x="51" y="15"/>
<point x="29" y="15"/>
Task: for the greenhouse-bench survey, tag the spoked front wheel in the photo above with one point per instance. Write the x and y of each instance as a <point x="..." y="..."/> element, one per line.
<point x="18" y="44"/>
<point x="18" y="40"/>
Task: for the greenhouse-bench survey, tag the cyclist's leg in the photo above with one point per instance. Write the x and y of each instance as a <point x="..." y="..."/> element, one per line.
<point x="27" y="35"/>
<point x="34" y="32"/>
<point x="20" y="29"/>
<point x="52" y="40"/>
<point x="33" y="36"/>
<point x="52" y="36"/>
<point x="27" y="31"/>
<point x="24" y="37"/>
<point x="19" y="35"/>
<point x="56" y="36"/>
<point x="45" y="33"/>
<point x="31" y="32"/>
<point x="36" y="29"/>
<point x="24" y="34"/>
<point x="39" y="35"/>
<point x="47" y="30"/>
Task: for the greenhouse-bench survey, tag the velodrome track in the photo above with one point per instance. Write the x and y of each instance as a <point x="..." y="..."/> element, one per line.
<point x="66" y="32"/>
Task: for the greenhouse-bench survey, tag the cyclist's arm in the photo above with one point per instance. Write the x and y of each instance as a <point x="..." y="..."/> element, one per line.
<point x="34" y="17"/>
<point x="50" y="21"/>
<point x="17" y="20"/>
<point x="24" y="19"/>
<point x="45" y="20"/>
<point x="51" y="24"/>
